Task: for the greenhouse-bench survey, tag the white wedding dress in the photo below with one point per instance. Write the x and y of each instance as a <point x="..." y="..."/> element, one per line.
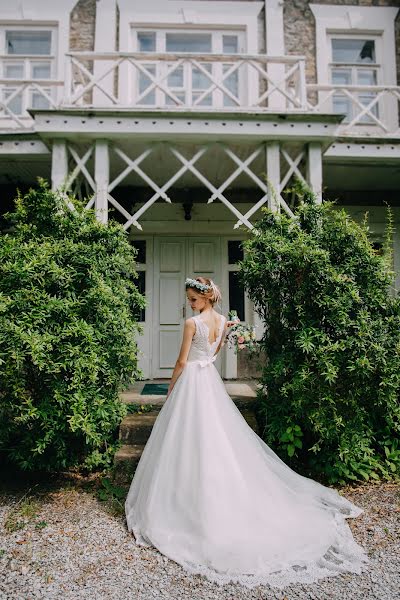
<point x="212" y="496"/>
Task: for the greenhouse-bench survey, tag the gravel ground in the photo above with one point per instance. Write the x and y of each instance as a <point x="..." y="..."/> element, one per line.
<point x="60" y="541"/>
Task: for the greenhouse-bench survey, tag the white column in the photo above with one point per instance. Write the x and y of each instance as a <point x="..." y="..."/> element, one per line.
<point x="104" y="41"/>
<point x="59" y="164"/>
<point x="273" y="175"/>
<point x="275" y="46"/>
<point x="314" y="168"/>
<point x="101" y="175"/>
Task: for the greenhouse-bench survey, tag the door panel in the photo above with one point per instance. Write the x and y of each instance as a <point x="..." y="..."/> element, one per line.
<point x="169" y="289"/>
<point x="174" y="260"/>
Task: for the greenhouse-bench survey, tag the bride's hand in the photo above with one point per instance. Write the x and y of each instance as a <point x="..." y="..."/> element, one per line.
<point x="230" y="323"/>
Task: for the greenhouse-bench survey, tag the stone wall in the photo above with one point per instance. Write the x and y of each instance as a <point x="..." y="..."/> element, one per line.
<point x="83" y="19"/>
<point x="300" y="29"/>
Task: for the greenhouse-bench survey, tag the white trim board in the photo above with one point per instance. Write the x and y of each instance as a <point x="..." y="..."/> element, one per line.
<point x="181" y="13"/>
<point x="368" y="20"/>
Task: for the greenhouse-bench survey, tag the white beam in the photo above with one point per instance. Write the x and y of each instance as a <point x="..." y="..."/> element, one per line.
<point x="275" y="45"/>
<point x="59" y="164"/>
<point x="314" y="169"/>
<point x="104" y="41"/>
<point x="273" y="175"/>
<point x="102" y="176"/>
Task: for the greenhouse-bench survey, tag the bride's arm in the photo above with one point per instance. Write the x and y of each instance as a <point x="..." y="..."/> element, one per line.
<point x="188" y="333"/>
<point x="228" y="325"/>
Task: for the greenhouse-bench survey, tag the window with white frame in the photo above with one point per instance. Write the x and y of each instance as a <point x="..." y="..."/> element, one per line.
<point x="188" y="82"/>
<point x="354" y="62"/>
<point x="28" y="55"/>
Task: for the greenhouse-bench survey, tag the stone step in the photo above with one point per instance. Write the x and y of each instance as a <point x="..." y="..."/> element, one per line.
<point x="126" y="460"/>
<point x="136" y="429"/>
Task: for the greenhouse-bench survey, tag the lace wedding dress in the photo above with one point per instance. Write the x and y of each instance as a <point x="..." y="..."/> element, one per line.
<point x="212" y="496"/>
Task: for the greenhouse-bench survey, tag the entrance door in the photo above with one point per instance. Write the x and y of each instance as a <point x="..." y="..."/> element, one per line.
<point x="176" y="258"/>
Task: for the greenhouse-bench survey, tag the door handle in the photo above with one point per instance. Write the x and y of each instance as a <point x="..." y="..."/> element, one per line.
<point x="184" y="311"/>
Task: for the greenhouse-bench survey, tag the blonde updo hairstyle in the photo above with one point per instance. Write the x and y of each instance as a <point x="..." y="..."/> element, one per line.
<point x="214" y="295"/>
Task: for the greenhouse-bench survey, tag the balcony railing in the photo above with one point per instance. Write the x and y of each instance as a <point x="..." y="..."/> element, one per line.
<point x="195" y="82"/>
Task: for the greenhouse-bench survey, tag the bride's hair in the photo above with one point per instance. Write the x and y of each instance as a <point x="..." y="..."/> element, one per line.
<point x="213" y="294"/>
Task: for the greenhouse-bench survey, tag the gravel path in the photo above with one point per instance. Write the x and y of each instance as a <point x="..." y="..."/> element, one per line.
<point x="60" y="541"/>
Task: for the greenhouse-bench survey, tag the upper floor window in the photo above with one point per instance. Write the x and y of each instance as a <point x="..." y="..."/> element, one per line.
<point x="354" y="63"/>
<point x="187" y="82"/>
<point x="28" y="54"/>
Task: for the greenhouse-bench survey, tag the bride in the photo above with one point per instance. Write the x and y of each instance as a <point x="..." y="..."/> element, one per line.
<point x="212" y="496"/>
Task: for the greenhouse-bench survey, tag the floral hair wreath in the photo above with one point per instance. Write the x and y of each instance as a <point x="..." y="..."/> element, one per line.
<point x="193" y="283"/>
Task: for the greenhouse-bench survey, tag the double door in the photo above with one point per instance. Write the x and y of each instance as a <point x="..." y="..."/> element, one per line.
<point x="176" y="258"/>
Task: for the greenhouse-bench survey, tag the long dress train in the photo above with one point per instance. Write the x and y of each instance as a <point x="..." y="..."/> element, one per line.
<point x="212" y="496"/>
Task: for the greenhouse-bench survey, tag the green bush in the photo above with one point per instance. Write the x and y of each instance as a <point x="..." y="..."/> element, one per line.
<point x="329" y="397"/>
<point x="67" y="333"/>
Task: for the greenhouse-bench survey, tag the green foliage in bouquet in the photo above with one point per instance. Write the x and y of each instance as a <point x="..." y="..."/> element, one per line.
<point x="67" y="333"/>
<point x="329" y="395"/>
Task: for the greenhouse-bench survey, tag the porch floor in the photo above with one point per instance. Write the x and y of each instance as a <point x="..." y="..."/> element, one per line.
<point x="240" y="391"/>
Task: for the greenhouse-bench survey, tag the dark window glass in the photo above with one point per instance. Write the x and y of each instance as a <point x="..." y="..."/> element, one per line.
<point x="140" y="246"/>
<point x="140" y="283"/>
<point x="235" y="251"/>
<point x="378" y="247"/>
<point x="236" y="294"/>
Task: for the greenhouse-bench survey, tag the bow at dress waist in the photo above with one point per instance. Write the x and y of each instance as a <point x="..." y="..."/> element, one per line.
<point x="203" y="362"/>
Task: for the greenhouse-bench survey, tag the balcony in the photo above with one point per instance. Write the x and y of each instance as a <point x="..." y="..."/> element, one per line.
<point x="184" y="82"/>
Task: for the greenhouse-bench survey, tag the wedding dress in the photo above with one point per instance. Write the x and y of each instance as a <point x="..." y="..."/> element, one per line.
<point x="212" y="496"/>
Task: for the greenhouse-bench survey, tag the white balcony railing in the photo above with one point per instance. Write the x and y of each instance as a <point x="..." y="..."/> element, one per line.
<point x="370" y="109"/>
<point x="195" y="82"/>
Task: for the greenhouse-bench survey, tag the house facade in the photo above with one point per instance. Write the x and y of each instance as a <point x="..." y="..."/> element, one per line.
<point x="183" y="118"/>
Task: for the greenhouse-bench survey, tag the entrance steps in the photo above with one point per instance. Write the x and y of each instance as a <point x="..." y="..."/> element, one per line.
<point x="135" y="428"/>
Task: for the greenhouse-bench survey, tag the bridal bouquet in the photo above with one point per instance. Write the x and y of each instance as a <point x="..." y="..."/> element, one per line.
<point x="241" y="335"/>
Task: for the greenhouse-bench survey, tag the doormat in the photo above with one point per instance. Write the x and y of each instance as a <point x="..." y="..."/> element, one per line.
<point x="154" y="389"/>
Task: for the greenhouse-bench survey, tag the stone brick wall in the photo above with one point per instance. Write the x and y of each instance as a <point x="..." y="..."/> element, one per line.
<point x="300" y="29"/>
<point x="82" y="28"/>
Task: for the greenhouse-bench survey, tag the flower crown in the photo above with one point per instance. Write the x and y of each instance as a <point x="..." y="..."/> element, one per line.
<point x="193" y="283"/>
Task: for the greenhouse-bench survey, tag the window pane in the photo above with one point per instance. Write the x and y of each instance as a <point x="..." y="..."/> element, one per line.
<point x="40" y="71"/>
<point x="15" y="105"/>
<point x="235" y="251"/>
<point x="147" y="42"/>
<point x="206" y="101"/>
<point x="172" y="102"/>
<point x="366" y="100"/>
<point x="15" y="71"/>
<point x="341" y="76"/>
<point x="230" y="44"/>
<point x="200" y="81"/>
<point x="366" y="76"/>
<point x="175" y="80"/>
<point x="236" y="294"/>
<point x="28" y="42"/>
<point x="140" y="246"/>
<point x="39" y="100"/>
<point x="342" y="105"/>
<point x="353" y="51"/>
<point x="140" y="283"/>
<point x="144" y="83"/>
<point x="232" y="84"/>
<point x="188" y="42"/>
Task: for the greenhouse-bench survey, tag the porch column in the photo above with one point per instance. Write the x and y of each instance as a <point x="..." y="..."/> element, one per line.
<point x="104" y="41"/>
<point x="314" y="168"/>
<point x="275" y="46"/>
<point x="59" y="164"/>
<point x="101" y="177"/>
<point x="273" y="175"/>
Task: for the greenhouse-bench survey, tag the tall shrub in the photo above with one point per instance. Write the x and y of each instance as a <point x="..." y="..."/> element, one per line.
<point x="330" y="386"/>
<point x="67" y="333"/>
